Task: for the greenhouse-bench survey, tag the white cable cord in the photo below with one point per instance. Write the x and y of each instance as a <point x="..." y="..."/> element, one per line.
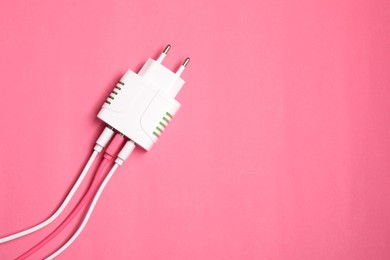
<point x="87" y="216"/>
<point x="101" y="142"/>
<point x="121" y="158"/>
<point x="59" y="210"/>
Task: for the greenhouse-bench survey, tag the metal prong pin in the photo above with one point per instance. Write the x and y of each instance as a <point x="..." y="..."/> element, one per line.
<point x="183" y="66"/>
<point x="164" y="53"/>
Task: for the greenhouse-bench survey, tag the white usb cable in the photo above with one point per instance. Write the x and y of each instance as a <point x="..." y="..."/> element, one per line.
<point x="122" y="156"/>
<point x="102" y="141"/>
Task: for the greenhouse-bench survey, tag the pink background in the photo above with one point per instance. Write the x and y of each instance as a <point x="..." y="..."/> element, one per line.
<point x="280" y="151"/>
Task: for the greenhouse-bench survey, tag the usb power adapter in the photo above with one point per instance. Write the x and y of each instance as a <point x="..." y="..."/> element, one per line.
<point x="141" y="105"/>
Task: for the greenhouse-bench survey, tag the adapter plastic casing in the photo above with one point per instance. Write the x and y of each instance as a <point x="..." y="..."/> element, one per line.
<point x="141" y="105"/>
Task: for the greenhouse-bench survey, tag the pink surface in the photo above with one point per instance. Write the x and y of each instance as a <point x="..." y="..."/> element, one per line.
<point x="280" y="151"/>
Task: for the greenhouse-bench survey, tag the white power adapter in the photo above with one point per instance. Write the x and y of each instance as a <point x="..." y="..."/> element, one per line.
<point x="141" y="105"/>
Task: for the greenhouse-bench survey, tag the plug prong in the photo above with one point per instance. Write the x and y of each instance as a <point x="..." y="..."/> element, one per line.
<point x="164" y="53"/>
<point x="186" y="61"/>
<point x="183" y="66"/>
<point x="166" y="49"/>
